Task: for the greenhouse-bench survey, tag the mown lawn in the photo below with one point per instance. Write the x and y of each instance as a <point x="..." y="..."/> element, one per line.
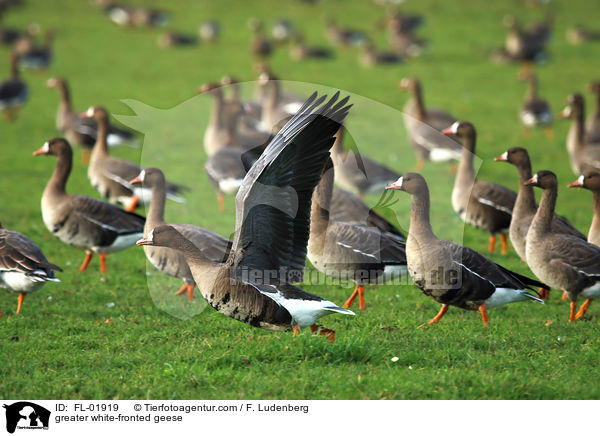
<point x="70" y="342"/>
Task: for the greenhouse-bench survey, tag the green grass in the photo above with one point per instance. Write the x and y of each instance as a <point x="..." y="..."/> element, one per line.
<point x="75" y="346"/>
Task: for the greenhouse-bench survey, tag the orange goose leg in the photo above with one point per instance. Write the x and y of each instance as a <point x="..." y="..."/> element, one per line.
<point x="85" y="156"/>
<point x="544" y="293"/>
<point x="549" y="133"/>
<point x="484" y="315"/>
<point x="584" y="308"/>
<point x="221" y="201"/>
<point x="102" y="262"/>
<point x="441" y="313"/>
<point x="452" y="168"/>
<point x="86" y="262"/>
<point x="182" y="289"/>
<point x="492" y="243"/>
<point x="504" y="243"/>
<point x="572" y="312"/>
<point x="360" y="291"/>
<point x="323" y="331"/>
<point x="420" y="164"/>
<point x="135" y="200"/>
<point x="564" y="296"/>
<point x="190" y="292"/>
<point x="20" y="301"/>
<point x="296" y="330"/>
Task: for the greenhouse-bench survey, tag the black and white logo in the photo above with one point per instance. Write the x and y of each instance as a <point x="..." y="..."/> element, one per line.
<point x="26" y="416"/>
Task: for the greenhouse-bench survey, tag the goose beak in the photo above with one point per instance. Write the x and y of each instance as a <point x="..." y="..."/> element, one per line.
<point x="144" y="241"/>
<point x="138" y="179"/>
<point x="577" y="183"/>
<point x="396" y="185"/>
<point x="45" y="149"/>
<point x="448" y="131"/>
<point x="502" y="158"/>
<point x="564" y="114"/>
<point x="532" y="181"/>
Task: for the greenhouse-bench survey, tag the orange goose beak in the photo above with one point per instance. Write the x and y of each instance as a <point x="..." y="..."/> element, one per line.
<point x="45" y="149"/>
<point x="502" y="158"/>
<point x="396" y="185"/>
<point x="532" y="181"/>
<point x="144" y="241"/>
<point x="448" y="131"/>
<point x="564" y="114"/>
<point x="577" y="183"/>
<point x="138" y="179"/>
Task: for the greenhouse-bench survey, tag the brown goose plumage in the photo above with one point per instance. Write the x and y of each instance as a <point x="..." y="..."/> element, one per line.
<point x="13" y="91"/>
<point x="535" y="111"/>
<point x="171" y="262"/>
<point x="563" y="261"/>
<point x="110" y="175"/>
<point x="272" y="228"/>
<point x="81" y="221"/>
<point x="590" y="179"/>
<point x="23" y="266"/>
<point x="484" y="205"/>
<point x="450" y="273"/>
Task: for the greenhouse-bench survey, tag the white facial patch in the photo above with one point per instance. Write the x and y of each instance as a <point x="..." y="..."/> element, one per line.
<point x="454" y="127"/>
<point x="90" y="111"/>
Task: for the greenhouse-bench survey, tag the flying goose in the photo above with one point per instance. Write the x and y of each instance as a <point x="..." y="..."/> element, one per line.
<point x="272" y="228"/>
<point x="590" y="179"/>
<point x="168" y="261"/>
<point x="450" y="273"/>
<point x="535" y="111"/>
<point x="565" y="262"/>
<point x="23" y="266"/>
<point x="110" y="175"/>
<point x="81" y="221"/>
<point x="351" y="251"/>
<point x="484" y="205"/>
<point x="13" y="91"/>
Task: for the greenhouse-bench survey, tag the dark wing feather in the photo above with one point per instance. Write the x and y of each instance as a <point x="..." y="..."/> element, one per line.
<point x="107" y="217"/>
<point x="273" y="203"/>
<point x="212" y="245"/>
<point x="496" y="196"/>
<point x="19" y="253"/>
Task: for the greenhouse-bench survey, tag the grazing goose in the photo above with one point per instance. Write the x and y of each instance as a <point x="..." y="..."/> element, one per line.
<point x="127" y="16"/>
<point x="343" y="36"/>
<point x="38" y="57"/>
<point x="484" y="205"/>
<point x="81" y="221"/>
<point x="78" y="129"/>
<point x="593" y="122"/>
<point x="350" y="251"/>
<point x="282" y="31"/>
<point x="450" y="273"/>
<point x="590" y="179"/>
<point x="172" y="39"/>
<point x="171" y="262"/>
<point x="356" y="173"/>
<point x="110" y="175"/>
<point x="578" y="34"/>
<point x="260" y="47"/>
<point x="23" y="266"/>
<point x="535" y="111"/>
<point x="272" y="229"/>
<point x="209" y="31"/>
<point x="370" y="56"/>
<point x="565" y="262"/>
<point x="300" y="51"/>
<point x="583" y="151"/>
<point x="13" y="91"/>
<point x="424" y="126"/>
<point x="526" y="45"/>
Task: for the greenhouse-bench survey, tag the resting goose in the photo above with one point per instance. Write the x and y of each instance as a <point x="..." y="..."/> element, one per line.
<point x="424" y="126"/>
<point x="80" y="130"/>
<point x="272" y="228"/>
<point x="23" y="266"/>
<point x="130" y="16"/>
<point x="13" y="91"/>
<point x="593" y="122"/>
<point x="171" y="262"/>
<point x="565" y="262"/>
<point x="351" y="251"/>
<point x="81" y="221"/>
<point x="583" y="151"/>
<point x="172" y="39"/>
<point x="282" y="30"/>
<point x="535" y="111"/>
<point x="450" y="273"/>
<point x="110" y="175"/>
<point x="356" y="173"/>
<point x="590" y="179"/>
<point x="484" y="205"/>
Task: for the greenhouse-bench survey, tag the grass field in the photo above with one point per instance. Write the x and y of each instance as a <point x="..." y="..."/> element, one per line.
<point x="70" y="343"/>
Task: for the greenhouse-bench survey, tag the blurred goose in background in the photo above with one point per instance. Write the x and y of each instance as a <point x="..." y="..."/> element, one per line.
<point x="583" y="151"/>
<point x="249" y="118"/>
<point x="209" y="31"/>
<point x="370" y="56"/>
<point x="13" y="91"/>
<point x="81" y="221"/>
<point x="38" y="57"/>
<point x="577" y="34"/>
<point x="469" y="280"/>
<point x="8" y="35"/>
<point x="357" y="173"/>
<point x="171" y="262"/>
<point x="403" y="22"/>
<point x="81" y="130"/>
<point x="593" y="122"/>
<point x="343" y="36"/>
<point x="110" y="175"/>
<point x="562" y="261"/>
<point x="535" y="111"/>
<point x="260" y="46"/>
<point x="269" y="237"/>
<point x="300" y="51"/>
<point x="23" y="266"/>
<point x="274" y="107"/>
<point x="173" y="39"/>
<point x="351" y="251"/>
<point x="483" y="205"/>
<point x="527" y="45"/>
<point x="424" y="126"/>
<point x="282" y="31"/>
<point x="135" y="16"/>
<point x="590" y="180"/>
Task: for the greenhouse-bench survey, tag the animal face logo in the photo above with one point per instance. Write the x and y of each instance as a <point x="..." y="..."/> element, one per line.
<point x="26" y="415"/>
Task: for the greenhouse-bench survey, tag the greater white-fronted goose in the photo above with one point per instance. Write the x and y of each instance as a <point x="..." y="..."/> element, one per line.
<point x="578" y="34"/>
<point x="23" y="266"/>
<point x="13" y="91"/>
<point x="173" y="39"/>
<point x="351" y="251"/>
<point x="110" y="175"/>
<point x="299" y="50"/>
<point x="450" y="273"/>
<point x="592" y="125"/>
<point x="81" y="221"/>
<point x="260" y="46"/>
<point x="38" y="57"/>
<point x="484" y="205"/>
<point x="226" y="171"/>
<point x="136" y="16"/>
<point x="274" y="107"/>
<point x="590" y="179"/>
<point x="356" y="173"/>
<point x="424" y="126"/>
<point x="171" y="262"/>
<point x="370" y="56"/>
<point x="562" y="261"/>
<point x="249" y="119"/>
<point x="282" y="31"/>
<point x="272" y="228"/>
<point x="526" y="45"/>
<point x="209" y="31"/>
<point x="80" y="130"/>
<point x="535" y="111"/>
<point x="343" y="36"/>
<point x="582" y="151"/>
